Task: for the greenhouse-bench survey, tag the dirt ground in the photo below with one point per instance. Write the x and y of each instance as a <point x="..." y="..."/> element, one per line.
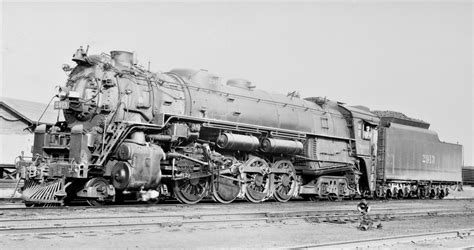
<point x="287" y="234"/>
<point x="248" y="235"/>
<point x="467" y="192"/>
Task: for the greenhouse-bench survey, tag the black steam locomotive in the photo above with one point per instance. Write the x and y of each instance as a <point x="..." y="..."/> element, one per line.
<point x="186" y="134"/>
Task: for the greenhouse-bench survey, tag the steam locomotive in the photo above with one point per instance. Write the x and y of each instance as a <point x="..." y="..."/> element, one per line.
<point x="184" y="134"/>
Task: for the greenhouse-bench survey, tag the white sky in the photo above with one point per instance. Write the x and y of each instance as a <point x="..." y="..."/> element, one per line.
<point x="411" y="57"/>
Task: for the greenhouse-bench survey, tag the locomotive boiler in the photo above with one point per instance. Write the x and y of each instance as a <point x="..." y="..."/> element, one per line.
<point x="188" y="134"/>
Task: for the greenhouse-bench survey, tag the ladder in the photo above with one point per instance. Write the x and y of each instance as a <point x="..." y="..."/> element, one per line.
<point x="112" y="135"/>
<point x="381" y="154"/>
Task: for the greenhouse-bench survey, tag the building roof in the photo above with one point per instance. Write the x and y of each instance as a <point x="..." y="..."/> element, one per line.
<point x="31" y="111"/>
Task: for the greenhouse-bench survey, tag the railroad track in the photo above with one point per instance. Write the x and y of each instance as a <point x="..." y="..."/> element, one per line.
<point x="55" y="224"/>
<point x="18" y="206"/>
<point x="393" y="240"/>
<point x="131" y="210"/>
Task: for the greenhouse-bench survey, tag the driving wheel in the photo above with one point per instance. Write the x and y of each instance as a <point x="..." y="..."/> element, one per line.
<point x="191" y="191"/>
<point x="256" y="180"/>
<point x="226" y="189"/>
<point x="284" y="183"/>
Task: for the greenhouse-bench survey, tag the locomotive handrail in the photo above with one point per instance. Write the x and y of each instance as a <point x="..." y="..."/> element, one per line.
<point x="130" y="126"/>
<point x="222" y="126"/>
<point x="188" y="103"/>
<point x="284" y="104"/>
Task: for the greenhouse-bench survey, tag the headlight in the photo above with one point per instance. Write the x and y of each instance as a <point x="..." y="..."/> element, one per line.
<point x="74" y="94"/>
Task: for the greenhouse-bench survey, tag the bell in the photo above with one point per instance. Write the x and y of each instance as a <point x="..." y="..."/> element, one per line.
<point x="80" y="56"/>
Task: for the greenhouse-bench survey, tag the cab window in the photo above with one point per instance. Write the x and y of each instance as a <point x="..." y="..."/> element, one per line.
<point x="366" y="132"/>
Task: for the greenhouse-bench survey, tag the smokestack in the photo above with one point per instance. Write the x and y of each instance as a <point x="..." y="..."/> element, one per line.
<point x="122" y="59"/>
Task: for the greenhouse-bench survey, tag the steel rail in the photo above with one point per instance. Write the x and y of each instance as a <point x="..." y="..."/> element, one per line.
<point x="299" y="213"/>
<point x="391" y="240"/>
<point x="12" y="206"/>
<point x="150" y="215"/>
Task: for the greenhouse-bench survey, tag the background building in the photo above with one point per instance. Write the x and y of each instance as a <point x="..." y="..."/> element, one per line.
<point x="468" y="175"/>
<point x="18" y="119"/>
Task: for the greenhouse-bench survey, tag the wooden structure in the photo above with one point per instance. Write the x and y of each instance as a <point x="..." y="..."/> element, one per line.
<point x="18" y="119"/>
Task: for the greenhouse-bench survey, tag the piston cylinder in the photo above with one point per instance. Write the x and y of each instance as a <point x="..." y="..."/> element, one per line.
<point x="238" y="142"/>
<point x="278" y="146"/>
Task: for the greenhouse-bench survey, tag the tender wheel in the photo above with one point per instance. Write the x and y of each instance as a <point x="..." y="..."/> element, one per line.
<point x="256" y="180"/>
<point x="400" y="194"/>
<point x="441" y="194"/>
<point x="432" y="194"/>
<point x="226" y="190"/>
<point x="101" y="185"/>
<point x="388" y="194"/>
<point x="395" y="194"/>
<point x="191" y="191"/>
<point x="422" y="193"/>
<point x="284" y="183"/>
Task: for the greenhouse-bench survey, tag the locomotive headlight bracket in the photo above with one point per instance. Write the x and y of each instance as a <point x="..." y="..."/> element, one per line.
<point x="62" y="92"/>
